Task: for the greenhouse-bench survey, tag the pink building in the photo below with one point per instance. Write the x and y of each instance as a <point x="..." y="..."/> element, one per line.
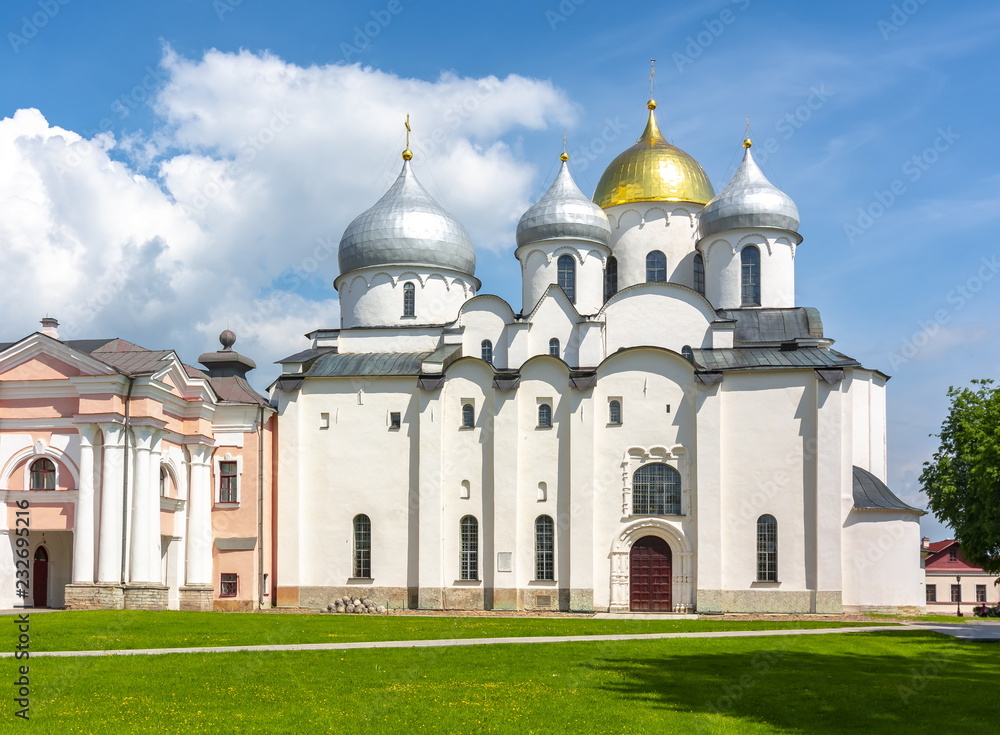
<point x="134" y="480"/>
<point x="951" y="582"/>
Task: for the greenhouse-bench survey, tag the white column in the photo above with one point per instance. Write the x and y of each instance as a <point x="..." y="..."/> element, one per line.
<point x="430" y="565"/>
<point x="153" y="518"/>
<point x="199" y="507"/>
<point x="109" y="559"/>
<point x="83" y="518"/>
<point x="140" y="561"/>
<point x="710" y="507"/>
<point x="582" y="548"/>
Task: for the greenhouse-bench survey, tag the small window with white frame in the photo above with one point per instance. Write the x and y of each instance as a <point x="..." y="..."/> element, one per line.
<point x="229" y="481"/>
<point x="395" y="419"/>
<point x="468" y="414"/>
<point x="931" y="590"/>
<point x="42" y="474"/>
<point x="615" y="412"/>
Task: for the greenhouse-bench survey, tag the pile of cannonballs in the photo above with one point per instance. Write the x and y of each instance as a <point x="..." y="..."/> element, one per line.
<point x="357" y="605"/>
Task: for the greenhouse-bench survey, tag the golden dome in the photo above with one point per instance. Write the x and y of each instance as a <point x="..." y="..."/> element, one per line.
<point x="653" y="171"/>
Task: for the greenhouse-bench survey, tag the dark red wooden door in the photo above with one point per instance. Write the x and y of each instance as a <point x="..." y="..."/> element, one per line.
<point x="649" y="575"/>
<point x="40" y="578"/>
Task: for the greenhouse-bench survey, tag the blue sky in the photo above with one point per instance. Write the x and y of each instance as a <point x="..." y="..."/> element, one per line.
<point x="190" y="163"/>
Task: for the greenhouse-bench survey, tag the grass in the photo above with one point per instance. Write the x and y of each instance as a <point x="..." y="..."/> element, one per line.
<point x="106" y="630"/>
<point x="892" y="681"/>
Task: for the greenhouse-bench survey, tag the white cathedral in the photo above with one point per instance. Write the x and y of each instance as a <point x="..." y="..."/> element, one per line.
<point x="656" y="427"/>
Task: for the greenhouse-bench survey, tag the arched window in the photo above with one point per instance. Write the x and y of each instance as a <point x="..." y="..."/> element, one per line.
<point x="468" y="416"/>
<point x="554" y="347"/>
<point x="567" y="275"/>
<point x="43" y="475"/>
<point x="545" y="549"/>
<point x="615" y="412"/>
<point x="468" y="562"/>
<point x="656" y="267"/>
<point x="163" y="481"/>
<point x="699" y="274"/>
<point x="611" y="278"/>
<point x="656" y="490"/>
<point x="544" y="414"/>
<point x="362" y="547"/>
<point x="409" y="300"/>
<point x="487" y="351"/>
<point x="767" y="549"/>
<point x="750" y="276"/>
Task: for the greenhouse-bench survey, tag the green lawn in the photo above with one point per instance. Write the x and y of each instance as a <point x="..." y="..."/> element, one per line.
<point x="886" y="682"/>
<point x="106" y="630"/>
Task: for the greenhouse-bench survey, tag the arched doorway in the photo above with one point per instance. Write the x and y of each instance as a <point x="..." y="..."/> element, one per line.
<point x="40" y="578"/>
<point x="649" y="575"/>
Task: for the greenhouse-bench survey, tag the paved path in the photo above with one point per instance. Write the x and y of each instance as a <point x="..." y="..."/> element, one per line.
<point x="464" y="642"/>
<point x="985" y="632"/>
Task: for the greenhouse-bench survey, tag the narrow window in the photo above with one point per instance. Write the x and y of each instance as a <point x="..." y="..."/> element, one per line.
<point x="469" y="558"/>
<point x="656" y="490"/>
<point x="567" y="276"/>
<point x="163" y="482"/>
<point x="362" y="547"/>
<point x="699" y="274"/>
<point x="409" y="299"/>
<point x="750" y="278"/>
<point x="544" y="414"/>
<point x="980" y="593"/>
<point x="468" y="416"/>
<point x="767" y="549"/>
<point x="615" y="412"/>
<point x="554" y="347"/>
<point x="931" y="593"/>
<point x="227" y="482"/>
<point x="656" y="267"/>
<point x="229" y="585"/>
<point x="395" y="420"/>
<point x="611" y="278"/>
<point x="956" y="593"/>
<point x="545" y="568"/>
<point x="43" y="475"/>
<point x="487" y="351"/>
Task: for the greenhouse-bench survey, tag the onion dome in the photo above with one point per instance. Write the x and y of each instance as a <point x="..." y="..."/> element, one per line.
<point x="564" y="211"/>
<point x="749" y="200"/>
<point x="407" y="227"/>
<point x="653" y="171"/>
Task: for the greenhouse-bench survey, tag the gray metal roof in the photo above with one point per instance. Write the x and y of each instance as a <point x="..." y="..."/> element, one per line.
<point x="306" y="355"/>
<point x="564" y="211"/>
<point x="870" y="493"/>
<point x="335" y="365"/>
<point x="749" y="200"/>
<point x="774" y="325"/>
<point x="407" y="227"/>
<point x="744" y="358"/>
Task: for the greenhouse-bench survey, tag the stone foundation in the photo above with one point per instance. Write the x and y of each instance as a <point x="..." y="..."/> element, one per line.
<point x="908" y="610"/>
<point x="230" y="605"/>
<point x="94" y="597"/>
<point x="196" y="597"/>
<point x="140" y="596"/>
<point x="472" y="597"/>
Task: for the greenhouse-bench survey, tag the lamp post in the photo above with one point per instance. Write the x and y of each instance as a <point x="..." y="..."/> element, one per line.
<point x="958" y="579"/>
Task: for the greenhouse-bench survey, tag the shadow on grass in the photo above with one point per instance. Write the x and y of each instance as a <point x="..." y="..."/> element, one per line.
<point x="872" y="683"/>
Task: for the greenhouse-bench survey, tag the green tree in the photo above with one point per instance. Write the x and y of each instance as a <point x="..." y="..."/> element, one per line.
<point x="962" y="481"/>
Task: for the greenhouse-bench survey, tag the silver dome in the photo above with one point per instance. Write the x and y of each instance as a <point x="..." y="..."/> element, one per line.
<point x="564" y="211"/>
<point x="407" y="227"/>
<point x="749" y="200"/>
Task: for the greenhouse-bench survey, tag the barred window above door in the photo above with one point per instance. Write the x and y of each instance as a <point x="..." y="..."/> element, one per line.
<point x="656" y="490"/>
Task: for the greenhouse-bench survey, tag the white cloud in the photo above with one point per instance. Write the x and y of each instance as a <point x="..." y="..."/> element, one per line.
<point x="255" y="167"/>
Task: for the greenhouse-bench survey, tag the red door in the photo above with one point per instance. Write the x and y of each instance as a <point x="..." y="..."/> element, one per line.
<point x="40" y="578"/>
<point x="649" y="575"/>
